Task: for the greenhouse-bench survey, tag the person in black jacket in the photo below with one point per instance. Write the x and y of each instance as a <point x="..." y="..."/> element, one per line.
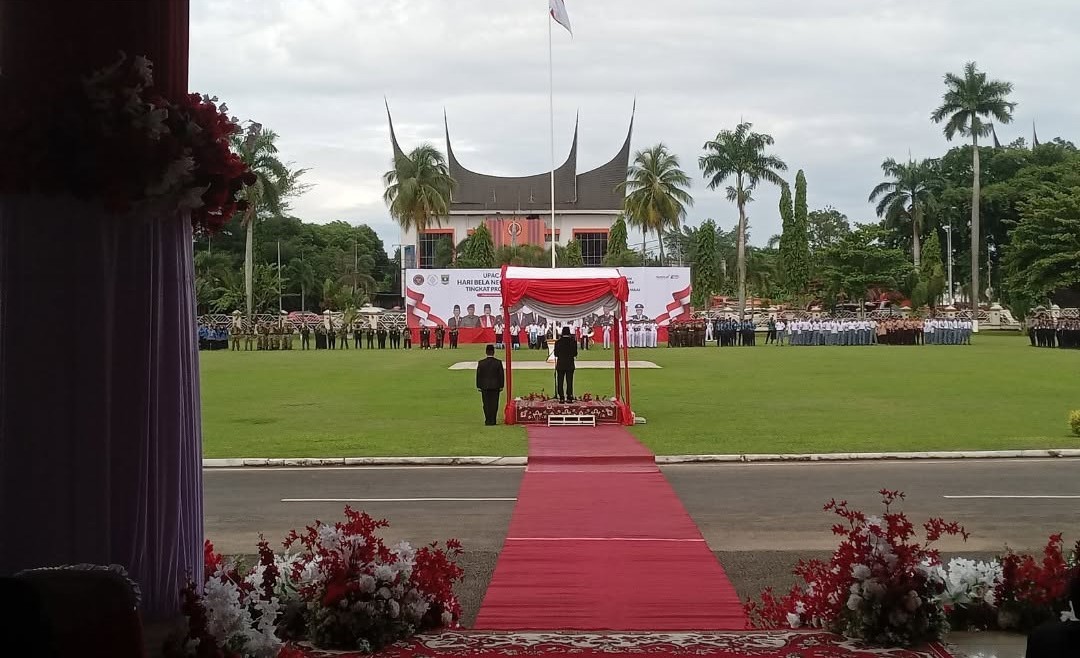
<point x="490" y="380"/>
<point x="1058" y="639"/>
<point x="565" y="353"/>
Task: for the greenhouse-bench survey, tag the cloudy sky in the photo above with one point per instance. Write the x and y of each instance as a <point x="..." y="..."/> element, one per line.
<point x="840" y="84"/>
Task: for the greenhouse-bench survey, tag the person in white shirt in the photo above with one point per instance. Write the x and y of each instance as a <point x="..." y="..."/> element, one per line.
<point x="654" y="332"/>
<point x="607" y="336"/>
<point x="708" y="330"/>
<point x="781" y="331"/>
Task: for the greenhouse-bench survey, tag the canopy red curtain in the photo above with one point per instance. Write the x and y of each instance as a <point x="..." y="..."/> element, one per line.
<point x="568" y="294"/>
<point x="567" y="287"/>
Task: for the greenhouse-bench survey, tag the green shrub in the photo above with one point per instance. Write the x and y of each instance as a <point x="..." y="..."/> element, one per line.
<point x="1074" y="421"/>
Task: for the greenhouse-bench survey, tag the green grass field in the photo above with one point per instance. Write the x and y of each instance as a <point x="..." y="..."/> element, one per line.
<point x="997" y="394"/>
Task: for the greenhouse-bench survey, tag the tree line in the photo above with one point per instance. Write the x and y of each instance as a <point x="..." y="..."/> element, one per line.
<point x="1018" y="205"/>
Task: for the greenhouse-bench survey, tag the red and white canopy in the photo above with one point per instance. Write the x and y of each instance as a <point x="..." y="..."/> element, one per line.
<point x="565" y="293"/>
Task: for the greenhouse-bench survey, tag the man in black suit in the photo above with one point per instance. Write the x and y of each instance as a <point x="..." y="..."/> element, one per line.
<point x="490" y="380"/>
<point x="565" y="353"/>
<point x="1058" y="639"/>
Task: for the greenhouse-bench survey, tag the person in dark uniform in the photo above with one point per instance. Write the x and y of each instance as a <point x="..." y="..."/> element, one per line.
<point x="369" y="335"/>
<point x="425" y="337"/>
<point x="440" y="336"/>
<point x="565" y="353"/>
<point x="490" y="380"/>
<point x="331" y="338"/>
<point x="357" y="336"/>
<point x="406" y="338"/>
<point x="453" y="338"/>
<point x="305" y="337"/>
<point x="381" y="333"/>
<point x="395" y="338"/>
<point x="320" y="337"/>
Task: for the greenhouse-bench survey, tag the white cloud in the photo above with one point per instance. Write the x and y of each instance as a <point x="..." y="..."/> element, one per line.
<point x="840" y="84"/>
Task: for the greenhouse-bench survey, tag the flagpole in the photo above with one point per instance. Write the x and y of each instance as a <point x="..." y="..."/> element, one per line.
<point x="551" y="107"/>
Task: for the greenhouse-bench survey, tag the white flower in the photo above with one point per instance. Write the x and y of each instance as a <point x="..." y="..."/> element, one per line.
<point x="1070" y="614"/>
<point x="800" y="607"/>
<point x="968" y="582"/>
<point x="191" y="198"/>
<point x="395" y="609"/>
<point x="145" y="69"/>
<point x="793" y="620"/>
<point x="860" y="572"/>
<point x="447" y="618"/>
<point x="854" y="601"/>
<point x="383" y="593"/>
<point x="384" y="574"/>
<point x="872" y="589"/>
<point x="367" y="584"/>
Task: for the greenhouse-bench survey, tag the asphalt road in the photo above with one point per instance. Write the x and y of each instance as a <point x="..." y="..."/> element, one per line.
<point x="758" y="518"/>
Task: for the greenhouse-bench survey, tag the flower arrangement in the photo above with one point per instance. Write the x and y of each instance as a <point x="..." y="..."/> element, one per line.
<point x="236" y="614"/>
<point x="880" y="586"/>
<point x="1032" y="591"/>
<point x="343" y="589"/>
<point x="542" y="397"/>
<point x="359" y="594"/>
<point x="115" y="139"/>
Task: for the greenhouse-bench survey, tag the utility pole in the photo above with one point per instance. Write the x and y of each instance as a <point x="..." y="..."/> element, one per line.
<point x="280" y="306"/>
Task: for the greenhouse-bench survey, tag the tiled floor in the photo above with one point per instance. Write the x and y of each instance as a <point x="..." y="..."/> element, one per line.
<point x="986" y="645"/>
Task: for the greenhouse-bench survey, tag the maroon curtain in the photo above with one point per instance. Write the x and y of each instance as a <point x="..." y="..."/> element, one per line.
<point x="100" y="446"/>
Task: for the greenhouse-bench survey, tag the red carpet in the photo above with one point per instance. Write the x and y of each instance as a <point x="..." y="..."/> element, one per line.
<point x="599" y="541"/>
<point x="715" y="645"/>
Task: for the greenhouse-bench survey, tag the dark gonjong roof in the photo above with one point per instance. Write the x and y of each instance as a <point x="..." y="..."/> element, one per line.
<point x="592" y="190"/>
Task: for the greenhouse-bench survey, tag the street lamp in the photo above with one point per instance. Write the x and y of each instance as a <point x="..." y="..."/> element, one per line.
<point x="952" y="291"/>
<point x="401" y="271"/>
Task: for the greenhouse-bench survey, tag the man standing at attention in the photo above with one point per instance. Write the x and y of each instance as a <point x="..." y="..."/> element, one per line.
<point x="489" y="381"/>
<point x="565" y="353"/>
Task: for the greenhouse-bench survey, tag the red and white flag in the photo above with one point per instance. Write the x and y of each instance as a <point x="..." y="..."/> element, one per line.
<point x="558" y="12"/>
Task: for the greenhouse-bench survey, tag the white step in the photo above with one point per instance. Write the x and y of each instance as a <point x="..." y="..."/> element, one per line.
<point x="563" y="420"/>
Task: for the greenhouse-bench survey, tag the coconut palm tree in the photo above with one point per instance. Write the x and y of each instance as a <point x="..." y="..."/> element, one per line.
<point x="419" y="189"/>
<point x="273" y="180"/>
<point x="656" y="196"/>
<point x="967" y="100"/>
<point x="740" y="155"/>
<point x="906" y="197"/>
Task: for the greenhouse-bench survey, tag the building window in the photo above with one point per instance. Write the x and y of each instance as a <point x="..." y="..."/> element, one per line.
<point x="428" y="243"/>
<point x="593" y="247"/>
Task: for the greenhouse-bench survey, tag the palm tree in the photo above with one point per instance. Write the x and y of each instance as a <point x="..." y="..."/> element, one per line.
<point x="419" y="188"/>
<point x="273" y="179"/>
<point x="906" y="197"/>
<point x="303" y="272"/>
<point x="966" y="101"/>
<point x="656" y="196"/>
<point x="740" y="154"/>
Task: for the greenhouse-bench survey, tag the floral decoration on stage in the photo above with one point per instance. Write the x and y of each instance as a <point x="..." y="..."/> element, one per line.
<point x="117" y="140"/>
<point x="587" y="398"/>
<point x="884" y="587"/>
<point x="342" y="588"/>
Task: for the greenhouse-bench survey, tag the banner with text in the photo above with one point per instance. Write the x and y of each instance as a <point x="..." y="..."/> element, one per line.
<point x="471" y="302"/>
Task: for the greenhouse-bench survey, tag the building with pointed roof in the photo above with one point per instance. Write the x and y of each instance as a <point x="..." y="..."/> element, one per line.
<point x="517" y="209"/>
